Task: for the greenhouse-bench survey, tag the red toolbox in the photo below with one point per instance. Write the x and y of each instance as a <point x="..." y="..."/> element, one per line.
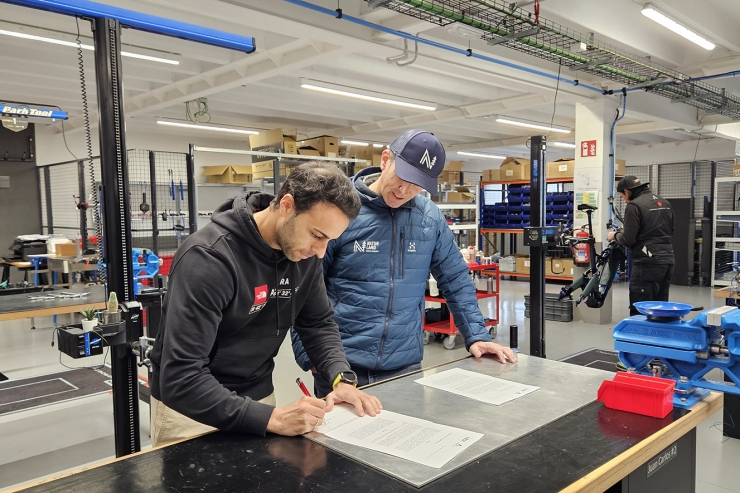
<point x="638" y="394"/>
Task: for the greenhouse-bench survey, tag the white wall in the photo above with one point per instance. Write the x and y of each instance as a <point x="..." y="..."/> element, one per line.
<point x="50" y="147"/>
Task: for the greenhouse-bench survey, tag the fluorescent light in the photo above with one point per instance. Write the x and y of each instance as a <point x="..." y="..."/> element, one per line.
<point x="208" y="127"/>
<point x="378" y="145"/>
<point x="564" y="144"/>
<point x="484" y="156"/>
<point x="652" y="14"/>
<point x="150" y="58"/>
<point x="368" y="98"/>
<point x="73" y="44"/>
<point x="355" y="143"/>
<point x="533" y="125"/>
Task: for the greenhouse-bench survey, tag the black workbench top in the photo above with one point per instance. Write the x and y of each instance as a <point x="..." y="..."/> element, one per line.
<point x="547" y="460"/>
<point x="20" y="302"/>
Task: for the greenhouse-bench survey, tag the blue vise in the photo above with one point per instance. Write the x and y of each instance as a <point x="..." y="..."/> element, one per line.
<point x="684" y="351"/>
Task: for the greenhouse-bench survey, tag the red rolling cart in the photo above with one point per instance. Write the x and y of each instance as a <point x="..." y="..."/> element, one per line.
<point x="446" y="328"/>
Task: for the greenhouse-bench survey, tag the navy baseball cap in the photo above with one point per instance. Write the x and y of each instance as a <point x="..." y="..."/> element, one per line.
<point x="420" y="158"/>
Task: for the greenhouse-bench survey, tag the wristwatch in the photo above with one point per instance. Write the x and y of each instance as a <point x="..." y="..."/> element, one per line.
<point x="349" y="377"/>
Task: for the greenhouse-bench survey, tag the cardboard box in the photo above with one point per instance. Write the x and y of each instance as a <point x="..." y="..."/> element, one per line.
<point x="453" y="166"/>
<point x="515" y="168"/>
<point x="264" y="169"/>
<point x="619" y="167"/>
<point x="275" y="136"/>
<point x="556" y="267"/>
<point x="65" y="250"/>
<point x="492" y="175"/>
<point x="568" y="265"/>
<point x="562" y="168"/>
<point x="449" y="177"/>
<point x="327" y="146"/>
<point x="522" y="264"/>
<point x="461" y="194"/>
<point x="228" y="173"/>
<point x="308" y="151"/>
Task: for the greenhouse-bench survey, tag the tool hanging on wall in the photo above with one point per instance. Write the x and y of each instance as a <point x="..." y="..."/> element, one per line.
<point x="144" y="207"/>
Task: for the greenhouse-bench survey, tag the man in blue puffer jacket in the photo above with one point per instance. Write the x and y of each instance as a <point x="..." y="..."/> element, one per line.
<point x="376" y="271"/>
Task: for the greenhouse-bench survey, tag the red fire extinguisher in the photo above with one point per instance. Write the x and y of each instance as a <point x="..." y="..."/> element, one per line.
<point x="582" y="253"/>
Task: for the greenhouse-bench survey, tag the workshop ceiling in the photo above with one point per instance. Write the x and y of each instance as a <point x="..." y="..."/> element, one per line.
<point x="295" y="45"/>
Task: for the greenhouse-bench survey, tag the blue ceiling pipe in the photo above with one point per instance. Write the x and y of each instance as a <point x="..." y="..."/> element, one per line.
<point x="142" y="22"/>
<point x="468" y="53"/>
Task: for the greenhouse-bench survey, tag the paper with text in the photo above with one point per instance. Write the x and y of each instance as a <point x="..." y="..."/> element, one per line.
<point x="477" y="386"/>
<point x="395" y="434"/>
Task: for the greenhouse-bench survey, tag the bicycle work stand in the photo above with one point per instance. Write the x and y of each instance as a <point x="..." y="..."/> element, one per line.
<point x="538" y="189"/>
<point x="117" y="233"/>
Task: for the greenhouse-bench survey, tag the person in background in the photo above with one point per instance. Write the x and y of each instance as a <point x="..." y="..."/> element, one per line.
<point x="647" y="232"/>
<point x="376" y="271"/>
<point x="236" y="287"/>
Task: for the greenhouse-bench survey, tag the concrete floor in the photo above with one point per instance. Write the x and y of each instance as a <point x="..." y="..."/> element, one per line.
<point x="46" y="441"/>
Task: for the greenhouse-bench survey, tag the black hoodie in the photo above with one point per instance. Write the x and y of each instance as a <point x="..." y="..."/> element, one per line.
<point x="222" y="323"/>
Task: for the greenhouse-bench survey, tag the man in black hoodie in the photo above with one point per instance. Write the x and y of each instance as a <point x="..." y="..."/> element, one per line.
<point x="648" y="228"/>
<point x="236" y="288"/>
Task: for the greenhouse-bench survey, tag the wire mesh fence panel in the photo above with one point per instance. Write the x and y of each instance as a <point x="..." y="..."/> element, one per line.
<point x="65" y="188"/>
<point x="703" y="188"/>
<point x="642" y="173"/>
<point x="42" y="194"/>
<point x="674" y="181"/>
<point x="171" y="200"/>
<point x="142" y="230"/>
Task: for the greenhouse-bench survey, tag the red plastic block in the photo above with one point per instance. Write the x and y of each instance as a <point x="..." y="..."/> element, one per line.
<point x="650" y="396"/>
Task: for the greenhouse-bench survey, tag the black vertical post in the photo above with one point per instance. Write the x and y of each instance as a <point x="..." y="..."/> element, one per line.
<point x="192" y="196"/>
<point x="538" y="189"/>
<point x="153" y="198"/>
<point x="276" y="176"/>
<point x="83" y="198"/>
<point x="49" y="210"/>
<point x="116" y="222"/>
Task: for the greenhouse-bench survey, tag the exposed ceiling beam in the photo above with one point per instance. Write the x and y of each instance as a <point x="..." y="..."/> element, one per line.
<point x="467" y="111"/>
<point x="280" y="60"/>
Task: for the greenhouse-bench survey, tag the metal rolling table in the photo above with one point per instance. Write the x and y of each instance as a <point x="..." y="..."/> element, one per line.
<point x="588" y="450"/>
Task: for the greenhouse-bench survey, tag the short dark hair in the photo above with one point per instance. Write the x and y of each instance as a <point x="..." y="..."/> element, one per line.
<point x="315" y="182"/>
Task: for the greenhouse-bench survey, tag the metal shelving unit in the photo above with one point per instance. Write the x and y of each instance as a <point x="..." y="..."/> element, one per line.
<point x="460" y="206"/>
<point x="514" y="232"/>
<point x="725" y="230"/>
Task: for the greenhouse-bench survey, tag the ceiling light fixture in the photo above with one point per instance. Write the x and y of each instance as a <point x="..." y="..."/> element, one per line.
<point x="355" y="143"/>
<point x="378" y="145"/>
<point x="533" y="125"/>
<point x="565" y="145"/>
<point x="484" y="156"/>
<point x="366" y="97"/>
<point x="654" y="15"/>
<point x="208" y="127"/>
<point x="73" y="44"/>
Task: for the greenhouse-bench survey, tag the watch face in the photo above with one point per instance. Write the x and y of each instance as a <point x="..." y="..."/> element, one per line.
<point x="348" y="377"/>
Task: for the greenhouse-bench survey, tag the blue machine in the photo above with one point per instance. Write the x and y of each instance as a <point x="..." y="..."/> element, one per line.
<point x="146" y="266"/>
<point x="660" y="343"/>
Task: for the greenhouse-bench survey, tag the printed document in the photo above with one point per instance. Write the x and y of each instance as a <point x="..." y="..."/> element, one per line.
<point x="395" y="434"/>
<point x="477" y="386"/>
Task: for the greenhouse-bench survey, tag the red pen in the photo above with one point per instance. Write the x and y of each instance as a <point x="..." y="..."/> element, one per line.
<point x="303" y="387"/>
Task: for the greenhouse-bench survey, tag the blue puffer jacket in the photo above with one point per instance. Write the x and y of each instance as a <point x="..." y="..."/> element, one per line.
<point x="376" y="273"/>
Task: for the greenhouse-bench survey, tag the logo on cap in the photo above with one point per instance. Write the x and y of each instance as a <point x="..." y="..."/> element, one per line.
<point x="425" y="160"/>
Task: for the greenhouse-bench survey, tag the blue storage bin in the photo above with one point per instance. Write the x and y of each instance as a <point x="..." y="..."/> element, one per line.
<point x="562" y="208"/>
<point x="514" y="209"/>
